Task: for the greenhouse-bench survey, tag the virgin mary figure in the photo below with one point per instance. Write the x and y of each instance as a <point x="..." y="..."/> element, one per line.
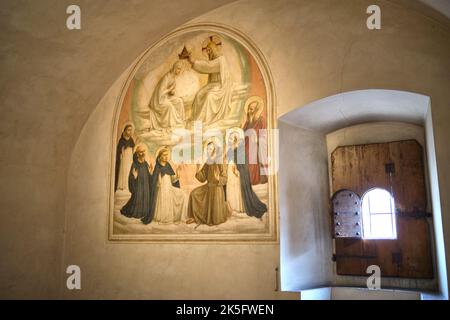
<point x="166" y="109"/>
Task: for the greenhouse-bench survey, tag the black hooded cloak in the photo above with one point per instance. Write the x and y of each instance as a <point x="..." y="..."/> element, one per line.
<point x="139" y="205"/>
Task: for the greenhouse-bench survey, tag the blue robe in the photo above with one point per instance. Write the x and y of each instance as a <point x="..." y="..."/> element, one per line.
<point x="138" y="205"/>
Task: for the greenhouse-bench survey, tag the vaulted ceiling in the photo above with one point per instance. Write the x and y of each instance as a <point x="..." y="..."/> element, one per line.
<point x="52" y="78"/>
<point x="443" y="6"/>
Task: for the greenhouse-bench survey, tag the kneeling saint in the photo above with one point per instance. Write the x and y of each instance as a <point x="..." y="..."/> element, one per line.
<point x="171" y="202"/>
<point x="139" y="178"/>
<point x="240" y="194"/>
<point x="233" y="188"/>
<point x="207" y="203"/>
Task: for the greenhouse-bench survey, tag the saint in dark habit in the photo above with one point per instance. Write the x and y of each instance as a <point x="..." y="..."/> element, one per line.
<point x="139" y="183"/>
<point x="124" y="158"/>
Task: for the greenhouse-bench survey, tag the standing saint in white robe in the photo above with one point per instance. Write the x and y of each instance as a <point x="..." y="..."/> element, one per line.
<point x="234" y="190"/>
<point x="124" y="159"/>
<point x="212" y="102"/>
<point x="166" y="109"/>
<point x="234" y="193"/>
<point x="171" y="201"/>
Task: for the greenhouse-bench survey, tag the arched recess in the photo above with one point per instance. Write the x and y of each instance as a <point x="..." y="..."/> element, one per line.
<point x="305" y="238"/>
<point x="87" y="206"/>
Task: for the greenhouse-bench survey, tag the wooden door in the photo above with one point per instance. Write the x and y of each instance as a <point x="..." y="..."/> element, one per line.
<point x="398" y="168"/>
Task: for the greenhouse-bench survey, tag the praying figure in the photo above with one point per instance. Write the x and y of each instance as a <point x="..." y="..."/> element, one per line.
<point x="240" y="194"/>
<point x="124" y="159"/>
<point x="212" y="101"/>
<point x="233" y="188"/>
<point x="166" y="109"/>
<point x="207" y="203"/>
<point x="171" y="202"/>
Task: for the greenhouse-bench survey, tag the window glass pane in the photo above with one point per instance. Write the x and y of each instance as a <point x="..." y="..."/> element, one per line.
<point x="381" y="226"/>
<point x="379" y="201"/>
<point x="378" y="209"/>
<point x="366" y="217"/>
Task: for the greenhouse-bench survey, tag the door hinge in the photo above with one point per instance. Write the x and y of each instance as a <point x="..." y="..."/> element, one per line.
<point x="335" y="257"/>
<point x="416" y="214"/>
<point x="390" y="168"/>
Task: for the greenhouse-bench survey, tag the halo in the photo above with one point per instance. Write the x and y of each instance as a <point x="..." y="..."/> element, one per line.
<point x="140" y="146"/>
<point x="160" y="149"/>
<point x="128" y="123"/>
<point x="213" y="139"/>
<point x="233" y="130"/>
<point x="260" y="107"/>
<point x="218" y="148"/>
<point x="214" y="39"/>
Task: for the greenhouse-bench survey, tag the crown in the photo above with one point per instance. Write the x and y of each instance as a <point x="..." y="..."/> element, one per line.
<point x="184" y="54"/>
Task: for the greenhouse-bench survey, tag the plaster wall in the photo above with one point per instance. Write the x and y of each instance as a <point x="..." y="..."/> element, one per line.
<point x="149" y="271"/>
<point x="305" y="237"/>
<point x="52" y="81"/>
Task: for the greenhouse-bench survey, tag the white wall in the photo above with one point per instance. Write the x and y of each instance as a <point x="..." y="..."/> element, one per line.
<point x="148" y="271"/>
<point x="315" y="49"/>
<point x="305" y="237"/>
<point x="306" y="242"/>
<point x="441" y="254"/>
<point x="51" y="80"/>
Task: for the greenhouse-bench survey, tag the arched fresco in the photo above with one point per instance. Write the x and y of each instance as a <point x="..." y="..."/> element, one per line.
<point x="193" y="143"/>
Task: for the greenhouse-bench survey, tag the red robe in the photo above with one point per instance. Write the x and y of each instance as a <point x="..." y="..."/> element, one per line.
<point x="257" y="169"/>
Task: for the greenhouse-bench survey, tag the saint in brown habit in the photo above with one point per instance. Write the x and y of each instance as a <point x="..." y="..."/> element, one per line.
<point x="207" y="203"/>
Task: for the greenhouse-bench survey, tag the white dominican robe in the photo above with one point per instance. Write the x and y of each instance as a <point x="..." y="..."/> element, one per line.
<point x="126" y="160"/>
<point x="234" y="192"/>
<point x="171" y="202"/>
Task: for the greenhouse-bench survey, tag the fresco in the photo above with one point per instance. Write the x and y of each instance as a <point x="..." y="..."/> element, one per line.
<point x="192" y="143"/>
